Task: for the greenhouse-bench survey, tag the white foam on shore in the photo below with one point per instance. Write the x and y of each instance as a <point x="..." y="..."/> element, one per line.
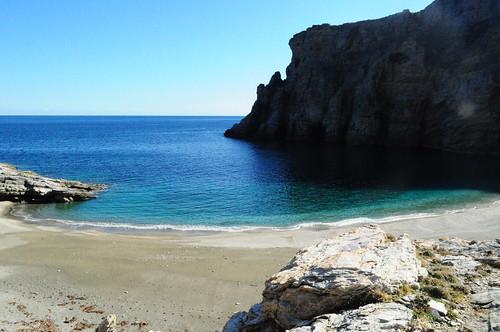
<point x="317" y="225"/>
<point x="111" y="226"/>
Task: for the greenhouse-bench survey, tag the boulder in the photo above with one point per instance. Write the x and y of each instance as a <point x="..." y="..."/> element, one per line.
<point x="253" y="320"/>
<point x="108" y="324"/>
<point x="464" y="265"/>
<point x="437" y="309"/>
<point x="390" y="317"/>
<point x="337" y="274"/>
<point x="490" y="298"/>
<point x="25" y="186"/>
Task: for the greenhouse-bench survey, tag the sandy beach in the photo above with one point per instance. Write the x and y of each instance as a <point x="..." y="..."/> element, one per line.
<point x="170" y="281"/>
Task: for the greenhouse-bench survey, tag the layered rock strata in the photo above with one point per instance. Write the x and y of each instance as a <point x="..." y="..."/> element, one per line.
<point x="426" y="79"/>
<point x="367" y="280"/>
<point x="26" y="186"/>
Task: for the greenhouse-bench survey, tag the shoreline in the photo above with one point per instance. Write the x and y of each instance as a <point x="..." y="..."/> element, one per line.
<point x="169" y="285"/>
<point x="165" y="228"/>
<point x="473" y="222"/>
<point x="174" y="281"/>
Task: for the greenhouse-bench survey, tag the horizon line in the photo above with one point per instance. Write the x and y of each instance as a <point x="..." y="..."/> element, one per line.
<point x="120" y="115"/>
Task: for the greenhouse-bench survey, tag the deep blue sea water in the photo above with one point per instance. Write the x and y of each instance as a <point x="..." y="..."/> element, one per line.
<point x="182" y="172"/>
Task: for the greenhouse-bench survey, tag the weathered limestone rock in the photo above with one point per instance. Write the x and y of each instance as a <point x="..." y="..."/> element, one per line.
<point x="476" y="266"/>
<point x="490" y="298"/>
<point x="253" y="320"/>
<point x="345" y="284"/>
<point x="426" y="79"/>
<point x="108" y="324"/>
<point x="339" y="274"/>
<point x="486" y="252"/>
<point x="336" y="275"/>
<point x="24" y="186"/>
<point x="464" y="265"/>
<point x="390" y="317"/>
<point x="494" y="321"/>
<point x="437" y="309"/>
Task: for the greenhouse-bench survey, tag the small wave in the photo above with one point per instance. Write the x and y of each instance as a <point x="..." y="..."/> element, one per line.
<point x="366" y="220"/>
<point x="205" y="228"/>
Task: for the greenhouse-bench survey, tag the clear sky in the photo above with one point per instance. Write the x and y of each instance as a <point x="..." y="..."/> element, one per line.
<point x="155" y="57"/>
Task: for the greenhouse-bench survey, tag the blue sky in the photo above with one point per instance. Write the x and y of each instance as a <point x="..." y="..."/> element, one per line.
<point x="155" y="57"/>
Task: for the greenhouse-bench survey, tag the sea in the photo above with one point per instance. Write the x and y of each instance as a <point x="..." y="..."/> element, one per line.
<point x="181" y="173"/>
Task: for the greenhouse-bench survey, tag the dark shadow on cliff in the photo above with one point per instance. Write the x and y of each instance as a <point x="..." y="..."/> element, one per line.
<point x="424" y="79"/>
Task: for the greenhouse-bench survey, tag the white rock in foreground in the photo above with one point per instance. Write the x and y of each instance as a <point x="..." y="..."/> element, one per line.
<point x="338" y="274"/>
<point x="390" y="317"/>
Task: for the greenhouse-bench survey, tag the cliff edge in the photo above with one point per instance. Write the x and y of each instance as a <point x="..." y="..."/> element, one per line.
<point x="426" y="79"/>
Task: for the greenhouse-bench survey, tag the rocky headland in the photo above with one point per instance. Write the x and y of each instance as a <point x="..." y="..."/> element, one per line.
<point x="367" y="280"/>
<point x="29" y="187"/>
<point x="427" y="79"/>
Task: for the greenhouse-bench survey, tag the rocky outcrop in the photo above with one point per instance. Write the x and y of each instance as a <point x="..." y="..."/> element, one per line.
<point x="461" y="251"/>
<point x="339" y="274"/>
<point x="389" y="317"/>
<point x="476" y="265"/>
<point x="425" y="79"/>
<point x="366" y="280"/>
<point x="25" y="186"/>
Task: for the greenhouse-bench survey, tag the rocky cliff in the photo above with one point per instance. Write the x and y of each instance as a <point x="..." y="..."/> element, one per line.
<point x="24" y="186"/>
<point x="426" y="79"/>
<point x="367" y="280"/>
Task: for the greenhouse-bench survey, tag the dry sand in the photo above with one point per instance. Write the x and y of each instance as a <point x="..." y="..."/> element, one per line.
<point x="172" y="281"/>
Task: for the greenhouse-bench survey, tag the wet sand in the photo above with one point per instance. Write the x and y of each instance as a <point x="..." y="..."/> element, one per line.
<point x="171" y="281"/>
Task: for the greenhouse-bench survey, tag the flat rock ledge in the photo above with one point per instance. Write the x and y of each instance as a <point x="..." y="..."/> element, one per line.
<point x="367" y="280"/>
<point x="377" y="317"/>
<point x="30" y="187"/>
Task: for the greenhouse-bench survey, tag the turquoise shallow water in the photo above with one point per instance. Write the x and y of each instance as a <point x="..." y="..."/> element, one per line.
<point x="182" y="172"/>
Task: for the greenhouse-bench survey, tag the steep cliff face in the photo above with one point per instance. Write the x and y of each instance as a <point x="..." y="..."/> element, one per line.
<point x="426" y="79"/>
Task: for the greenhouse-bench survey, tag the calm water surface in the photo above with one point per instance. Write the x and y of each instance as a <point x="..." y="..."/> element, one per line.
<point x="182" y="171"/>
